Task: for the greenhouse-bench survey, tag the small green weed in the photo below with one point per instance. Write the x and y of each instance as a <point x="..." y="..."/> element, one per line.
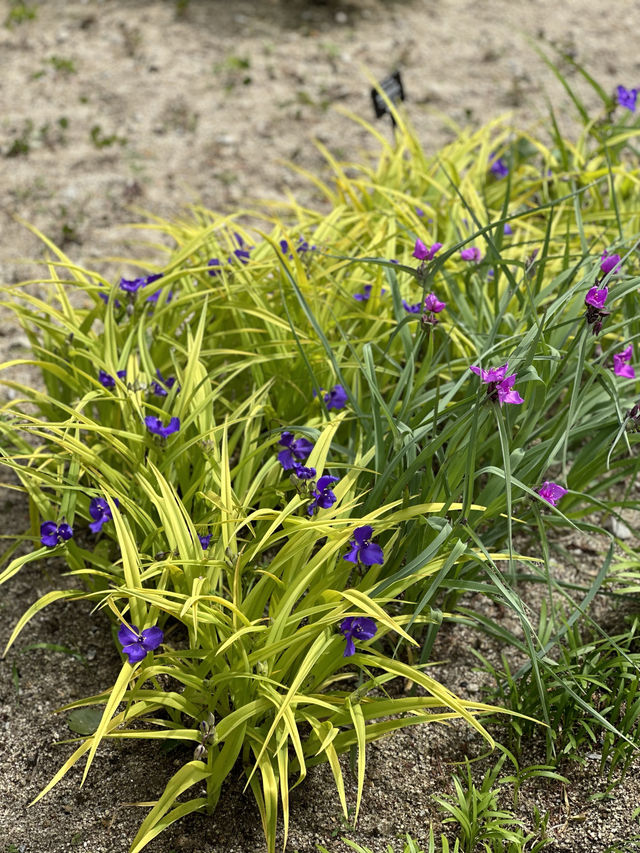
<point x="19" y="12"/>
<point x="102" y="140"/>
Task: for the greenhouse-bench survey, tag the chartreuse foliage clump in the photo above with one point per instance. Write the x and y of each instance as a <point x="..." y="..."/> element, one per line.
<point x="280" y="457"/>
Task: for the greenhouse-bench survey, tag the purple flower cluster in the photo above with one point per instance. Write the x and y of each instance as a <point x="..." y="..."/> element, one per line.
<point x="500" y="386"/>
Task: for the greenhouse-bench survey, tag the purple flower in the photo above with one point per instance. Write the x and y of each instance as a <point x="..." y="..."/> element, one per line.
<point x="471" y="254"/>
<point x="336" y="398"/>
<point x="162" y="386"/>
<point x="131" y="285"/>
<point x="507" y="229"/>
<point x="412" y="309"/>
<point x="500" y="385"/>
<point x="609" y="263"/>
<point x="551" y="492"/>
<point x="499" y="168"/>
<point x="356" y="628"/>
<point x="100" y="512"/>
<point x="52" y="534"/>
<point x="204" y="538"/>
<point x="107" y="379"/>
<point x="627" y="98"/>
<point x="135" y="644"/>
<point x="421" y="252"/>
<point x="419" y="211"/>
<point x="622" y="363"/>
<point x="296" y="450"/>
<point x="322" y="496"/>
<point x="304" y="473"/>
<point x="363" y="550"/>
<point x="364" y="296"/>
<point x="596" y="298"/>
<point x="214" y="263"/>
<point x="154" y="425"/>
<point x="433" y="305"/>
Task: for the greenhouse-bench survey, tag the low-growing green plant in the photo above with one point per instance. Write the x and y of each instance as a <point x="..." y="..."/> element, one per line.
<point x="283" y="456"/>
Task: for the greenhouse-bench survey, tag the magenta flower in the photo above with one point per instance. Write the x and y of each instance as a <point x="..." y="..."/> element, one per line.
<point x="356" y="628"/>
<point x="433" y="305"/>
<point x="500" y="386"/>
<point x="363" y="550"/>
<point x="596" y="298"/>
<point x="627" y="98"/>
<point x="155" y="426"/>
<point x="421" y="252"/>
<point x="609" y="263"/>
<point x="551" y="492"/>
<point x="622" y="363"/>
<point x="471" y="254"/>
<point x="135" y="644"/>
<point x="52" y="534"/>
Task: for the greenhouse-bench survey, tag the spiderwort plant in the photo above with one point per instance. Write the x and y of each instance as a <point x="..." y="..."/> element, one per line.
<point x="595" y="313"/>
<point x="627" y="98"/>
<point x="322" y="496"/>
<point x="296" y="450"/>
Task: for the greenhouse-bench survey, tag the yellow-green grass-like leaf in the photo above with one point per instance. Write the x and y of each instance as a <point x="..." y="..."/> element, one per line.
<point x="44" y="601"/>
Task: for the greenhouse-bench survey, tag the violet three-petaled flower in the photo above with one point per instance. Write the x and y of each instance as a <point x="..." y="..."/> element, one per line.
<point x="52" y="534"/>
<point x="162" y="386"/>
<point x="100" y="512"/>
<point x="107" y="380"/>
<point x="499" y="168"/>
<point x="356" y="628"/>
<point x="551" y="492"/>
<point x="295" y="450"/>
<point x="156" y="427"/>
<point x="364" y="296"/>
<point x="627" y="98"/>
<point x="204" y="538"/>
<point x="322" y="496"/>
<point x="622" y="363"/>
<point x="411" y="309"/>
<point x="135" y="644"/>
<point x="363" y="550"/>
<point x="336" y="398"/>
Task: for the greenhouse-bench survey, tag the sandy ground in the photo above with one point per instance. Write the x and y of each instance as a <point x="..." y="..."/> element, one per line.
<point x="121" y="103"/>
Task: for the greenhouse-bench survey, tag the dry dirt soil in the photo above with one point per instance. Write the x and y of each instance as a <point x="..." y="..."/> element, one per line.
<point x="120" y="103"/>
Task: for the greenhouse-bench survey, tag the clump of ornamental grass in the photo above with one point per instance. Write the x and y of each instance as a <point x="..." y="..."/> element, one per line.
<point x="281" y="457"/>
